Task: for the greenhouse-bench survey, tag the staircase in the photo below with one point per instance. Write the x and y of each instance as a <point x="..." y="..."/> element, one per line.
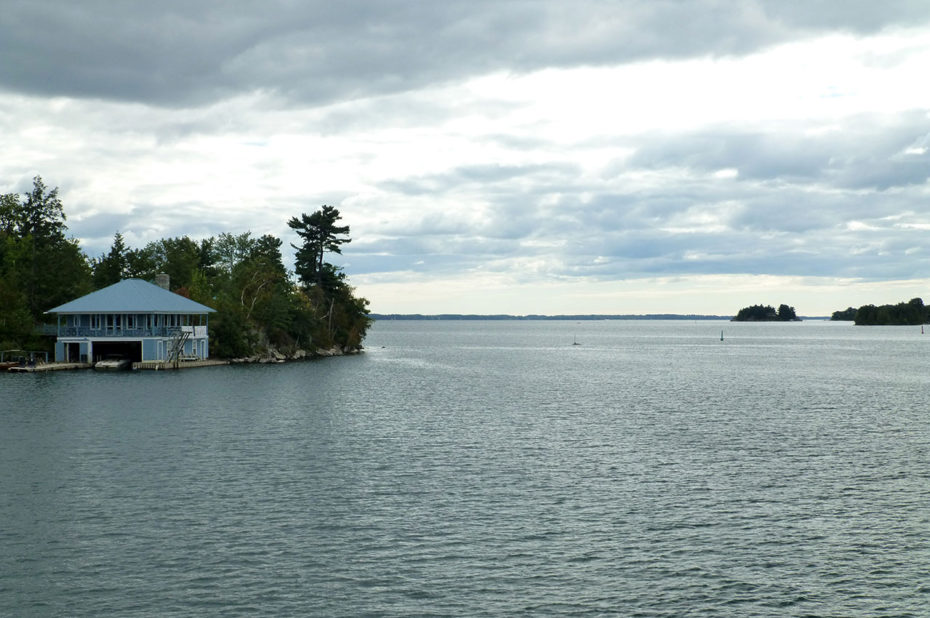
<point x="178" y="337"/>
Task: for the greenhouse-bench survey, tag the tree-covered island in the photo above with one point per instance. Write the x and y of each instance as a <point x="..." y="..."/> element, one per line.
<point x="766" y="313"/>
<point x="262" y="309"/>
<point x="848" y="314"/>
<point x="911" y="313"/>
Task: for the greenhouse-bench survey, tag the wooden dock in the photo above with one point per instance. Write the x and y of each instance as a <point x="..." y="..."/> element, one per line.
<point x="154" y="365"/>
<point x="170" y="366"/>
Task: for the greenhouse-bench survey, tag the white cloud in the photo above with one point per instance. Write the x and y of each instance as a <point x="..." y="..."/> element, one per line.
<point x="543" y="171"/>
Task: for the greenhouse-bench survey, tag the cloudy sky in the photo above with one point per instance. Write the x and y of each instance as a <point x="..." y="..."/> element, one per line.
<point x="526" y="156"/>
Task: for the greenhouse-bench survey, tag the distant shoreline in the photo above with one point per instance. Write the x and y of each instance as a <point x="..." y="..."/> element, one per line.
<point x="582" y="317"/>
<point x="502" y="316"/>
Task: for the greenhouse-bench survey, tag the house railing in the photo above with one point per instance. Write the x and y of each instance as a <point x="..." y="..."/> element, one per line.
<point x="165" y="331"/>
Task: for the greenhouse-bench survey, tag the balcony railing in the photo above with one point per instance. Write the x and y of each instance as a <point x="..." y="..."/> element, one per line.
<point x="165" y="331"/>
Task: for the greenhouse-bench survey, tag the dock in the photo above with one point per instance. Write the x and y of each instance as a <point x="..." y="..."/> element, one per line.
<point x="184" y="364"/>
<point x="151" y="365"/>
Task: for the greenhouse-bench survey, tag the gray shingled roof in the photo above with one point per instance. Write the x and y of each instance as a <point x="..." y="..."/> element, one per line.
<point x="132" y="296"/>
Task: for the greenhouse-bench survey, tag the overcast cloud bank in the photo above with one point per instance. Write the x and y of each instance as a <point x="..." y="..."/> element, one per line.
<point x="516" y="157"/>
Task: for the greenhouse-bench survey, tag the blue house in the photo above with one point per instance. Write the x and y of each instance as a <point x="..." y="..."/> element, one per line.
<point x="134" y="319"/>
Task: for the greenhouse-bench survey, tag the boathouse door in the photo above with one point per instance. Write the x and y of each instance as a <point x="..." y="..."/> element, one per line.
<point x="74" y="353"/>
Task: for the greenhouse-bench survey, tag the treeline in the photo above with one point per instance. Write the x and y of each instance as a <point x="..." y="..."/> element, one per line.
<point x="766" y="313"/>
<point x="912" y="312"/>
<point x="258" y="302"/>
<point x="40" y="266"/>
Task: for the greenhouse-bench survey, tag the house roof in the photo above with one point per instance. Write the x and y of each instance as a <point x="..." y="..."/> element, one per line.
<point x="132" y="296"/>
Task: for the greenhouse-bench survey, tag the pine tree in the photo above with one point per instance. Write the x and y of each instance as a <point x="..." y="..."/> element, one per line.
<point x="320" y="234"/>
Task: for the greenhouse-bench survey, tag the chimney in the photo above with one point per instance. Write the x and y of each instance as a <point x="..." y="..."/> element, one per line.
<point x="163" y="281"/>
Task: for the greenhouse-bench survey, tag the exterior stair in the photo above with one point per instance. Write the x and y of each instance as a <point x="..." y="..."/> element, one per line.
<point x="178" y="337"/>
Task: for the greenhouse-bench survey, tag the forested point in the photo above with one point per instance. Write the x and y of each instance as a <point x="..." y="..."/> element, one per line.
<point x="260" y="305"/>
<point x="848" y="314"/>
<point x="766" y="313"/>
<point x="911" y="313"/>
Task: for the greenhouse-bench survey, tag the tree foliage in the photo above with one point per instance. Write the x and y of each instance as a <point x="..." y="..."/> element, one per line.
<point x="346" y="316"/>
<point x="112" y="267"/>
<point x="766" y="313"/>
<point x="258" y="302"/>
<point x="910" y="313"/>
<point x="40" y="266"/>
<point x="786" y="313"/>
<point x="320" y="234"/>
<point x="848" y="314"/>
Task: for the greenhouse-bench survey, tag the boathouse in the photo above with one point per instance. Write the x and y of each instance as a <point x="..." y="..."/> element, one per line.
<point x="134" y="319"/>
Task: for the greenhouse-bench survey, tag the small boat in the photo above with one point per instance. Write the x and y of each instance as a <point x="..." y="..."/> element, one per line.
<point x="13" y="358"/>
<point x="113" y="362"/>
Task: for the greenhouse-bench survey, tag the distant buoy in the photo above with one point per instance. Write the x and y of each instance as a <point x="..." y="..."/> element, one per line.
<point x="721" y="335"/>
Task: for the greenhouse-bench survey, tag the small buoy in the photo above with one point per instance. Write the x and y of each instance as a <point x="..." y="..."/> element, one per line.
<point x="721" y="335"/>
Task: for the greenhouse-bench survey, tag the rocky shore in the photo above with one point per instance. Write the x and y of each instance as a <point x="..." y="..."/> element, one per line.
<point x="273" y="355"/>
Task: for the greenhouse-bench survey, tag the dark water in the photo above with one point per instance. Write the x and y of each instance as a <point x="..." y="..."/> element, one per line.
<point x="483" y="469"/>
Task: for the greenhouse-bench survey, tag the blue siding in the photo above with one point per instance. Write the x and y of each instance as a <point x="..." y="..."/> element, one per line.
<point x="149" y="350"/>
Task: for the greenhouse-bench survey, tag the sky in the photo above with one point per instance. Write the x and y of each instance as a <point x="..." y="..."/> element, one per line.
<point x="521" y="156"/>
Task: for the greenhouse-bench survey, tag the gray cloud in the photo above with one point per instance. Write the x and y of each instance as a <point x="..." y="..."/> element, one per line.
<point x="485" y="176"/>
<point x="177" y="53"/>
<point x="788" y="212"/>
<point x="863" y="152"/>
<point x="252" y="113"/>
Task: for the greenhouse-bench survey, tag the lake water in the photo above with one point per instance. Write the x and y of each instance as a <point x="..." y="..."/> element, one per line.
<point x="483" y="468"/>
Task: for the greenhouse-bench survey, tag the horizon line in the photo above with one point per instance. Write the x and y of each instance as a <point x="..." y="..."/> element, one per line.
<point x="578" y="316"/>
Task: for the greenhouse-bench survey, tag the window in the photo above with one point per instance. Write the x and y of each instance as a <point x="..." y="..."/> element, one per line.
<point x="95" y="322"/>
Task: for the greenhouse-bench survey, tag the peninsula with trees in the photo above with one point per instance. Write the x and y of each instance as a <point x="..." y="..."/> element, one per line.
<point x="911" y="313"/>
<point x="261" y="308"/>
<point x="766" y="313"/>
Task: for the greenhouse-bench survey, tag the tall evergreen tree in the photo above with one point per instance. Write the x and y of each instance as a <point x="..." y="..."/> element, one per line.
<point x="50" y="268"/>
<point x="9" y="209"/>
<point x="42" y="214"/>
<point x="39" y="266"/>
<point x="320" y="234"/>
<point x="114" y="266"/>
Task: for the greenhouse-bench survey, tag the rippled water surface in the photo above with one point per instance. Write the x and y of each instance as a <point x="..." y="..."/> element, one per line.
<point x="483" y="468"/>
